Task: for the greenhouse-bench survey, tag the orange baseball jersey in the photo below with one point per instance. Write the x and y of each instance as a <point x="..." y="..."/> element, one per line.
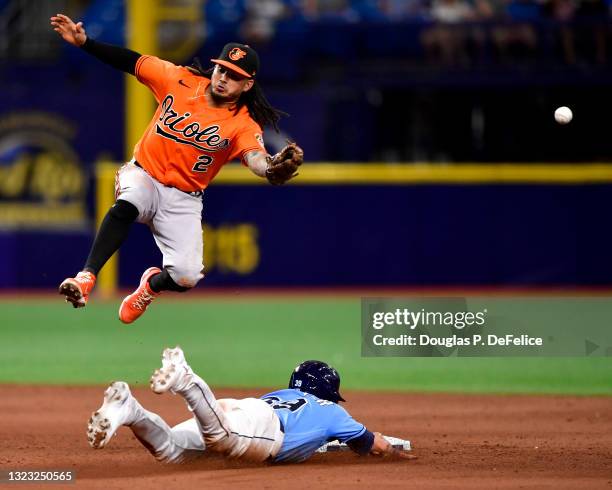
<point x="187" y="142"/>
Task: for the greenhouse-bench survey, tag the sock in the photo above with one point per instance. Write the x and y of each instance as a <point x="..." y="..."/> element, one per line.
<point x="163" y="282"/>
<point x="112" y="233"/>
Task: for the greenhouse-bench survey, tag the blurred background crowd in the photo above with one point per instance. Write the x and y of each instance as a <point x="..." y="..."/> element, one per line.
<point x="448" y="31"/>
<point x="447" y="27"/>
<point x="461" y="74"/>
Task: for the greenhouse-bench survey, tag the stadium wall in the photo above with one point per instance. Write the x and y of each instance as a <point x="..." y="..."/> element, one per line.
<point x="387" y="226"/>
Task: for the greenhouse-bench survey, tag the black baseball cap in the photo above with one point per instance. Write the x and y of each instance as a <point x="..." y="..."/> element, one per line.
<point x="240" y="58"/>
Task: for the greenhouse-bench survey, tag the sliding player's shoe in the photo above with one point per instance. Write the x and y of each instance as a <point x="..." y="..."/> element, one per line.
<point x="174" y="375"/>
<point x="117" y="410"/>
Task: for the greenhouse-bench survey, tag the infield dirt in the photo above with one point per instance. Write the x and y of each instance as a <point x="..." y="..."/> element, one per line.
<point x="462" y="441"/>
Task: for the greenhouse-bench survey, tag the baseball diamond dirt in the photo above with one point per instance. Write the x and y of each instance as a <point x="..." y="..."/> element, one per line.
<point x="462" y="441"/>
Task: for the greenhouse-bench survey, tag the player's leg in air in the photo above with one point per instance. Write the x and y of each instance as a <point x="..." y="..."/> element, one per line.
<point x="170" y="445"/>
<point x="175" y="221"/>
<point x="177" y="228"/>
<point x="135" y="203"/>
<point x="247" y="429"/>
<point x="110" y="236"/>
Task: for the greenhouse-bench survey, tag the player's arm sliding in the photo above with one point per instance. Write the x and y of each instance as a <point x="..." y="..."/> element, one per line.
<point x="374" y="443"/>
<point x="120" y="58"/>
<point x="381" y="447"/>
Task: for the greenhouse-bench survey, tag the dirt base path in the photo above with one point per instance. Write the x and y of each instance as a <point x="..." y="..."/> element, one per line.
<point x="462" y="441"/>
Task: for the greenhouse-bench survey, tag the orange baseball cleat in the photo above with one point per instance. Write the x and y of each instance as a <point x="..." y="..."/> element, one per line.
<point x="77" y="289"/>
<point x="134" y="305"/>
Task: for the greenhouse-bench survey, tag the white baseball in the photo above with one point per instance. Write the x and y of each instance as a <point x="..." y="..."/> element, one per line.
<point x="563" y="115"/>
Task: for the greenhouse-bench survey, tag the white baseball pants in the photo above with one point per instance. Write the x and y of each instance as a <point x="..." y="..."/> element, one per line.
<point x="247" y="429"/>
<point x="174" y="217"/>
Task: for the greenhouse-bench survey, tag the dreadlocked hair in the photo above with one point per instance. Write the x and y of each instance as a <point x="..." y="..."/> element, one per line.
<point x="259" y="108"/>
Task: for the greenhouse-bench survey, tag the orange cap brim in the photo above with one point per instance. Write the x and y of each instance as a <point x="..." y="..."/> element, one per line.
<point x="232" y="67"/>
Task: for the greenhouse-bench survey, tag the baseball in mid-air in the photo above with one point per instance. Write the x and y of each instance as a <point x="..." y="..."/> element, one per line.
<point x="563" y="115"/>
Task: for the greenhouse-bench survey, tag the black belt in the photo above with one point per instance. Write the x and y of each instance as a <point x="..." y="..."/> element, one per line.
<point x="191" y="193"/>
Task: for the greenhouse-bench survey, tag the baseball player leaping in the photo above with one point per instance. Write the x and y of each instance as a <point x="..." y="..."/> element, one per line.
<point x="283" y="426"/>
<point x="205" y="119"/>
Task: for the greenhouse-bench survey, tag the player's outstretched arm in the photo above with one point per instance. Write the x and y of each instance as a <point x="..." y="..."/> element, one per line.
<point x="120" y="58"/>
<point x="381" y="447"/>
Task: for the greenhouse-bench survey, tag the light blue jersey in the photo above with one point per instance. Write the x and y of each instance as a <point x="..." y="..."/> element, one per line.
<point x="309" y="422"/>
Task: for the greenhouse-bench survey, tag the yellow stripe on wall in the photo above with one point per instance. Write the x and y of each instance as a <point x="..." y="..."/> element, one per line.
<point x="427" y="173"/>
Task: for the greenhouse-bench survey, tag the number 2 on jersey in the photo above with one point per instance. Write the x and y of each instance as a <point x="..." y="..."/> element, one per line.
<point x="204" y="161"/>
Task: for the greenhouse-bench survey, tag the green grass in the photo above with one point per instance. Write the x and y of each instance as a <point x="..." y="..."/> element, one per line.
<point x="253" y="343"/>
